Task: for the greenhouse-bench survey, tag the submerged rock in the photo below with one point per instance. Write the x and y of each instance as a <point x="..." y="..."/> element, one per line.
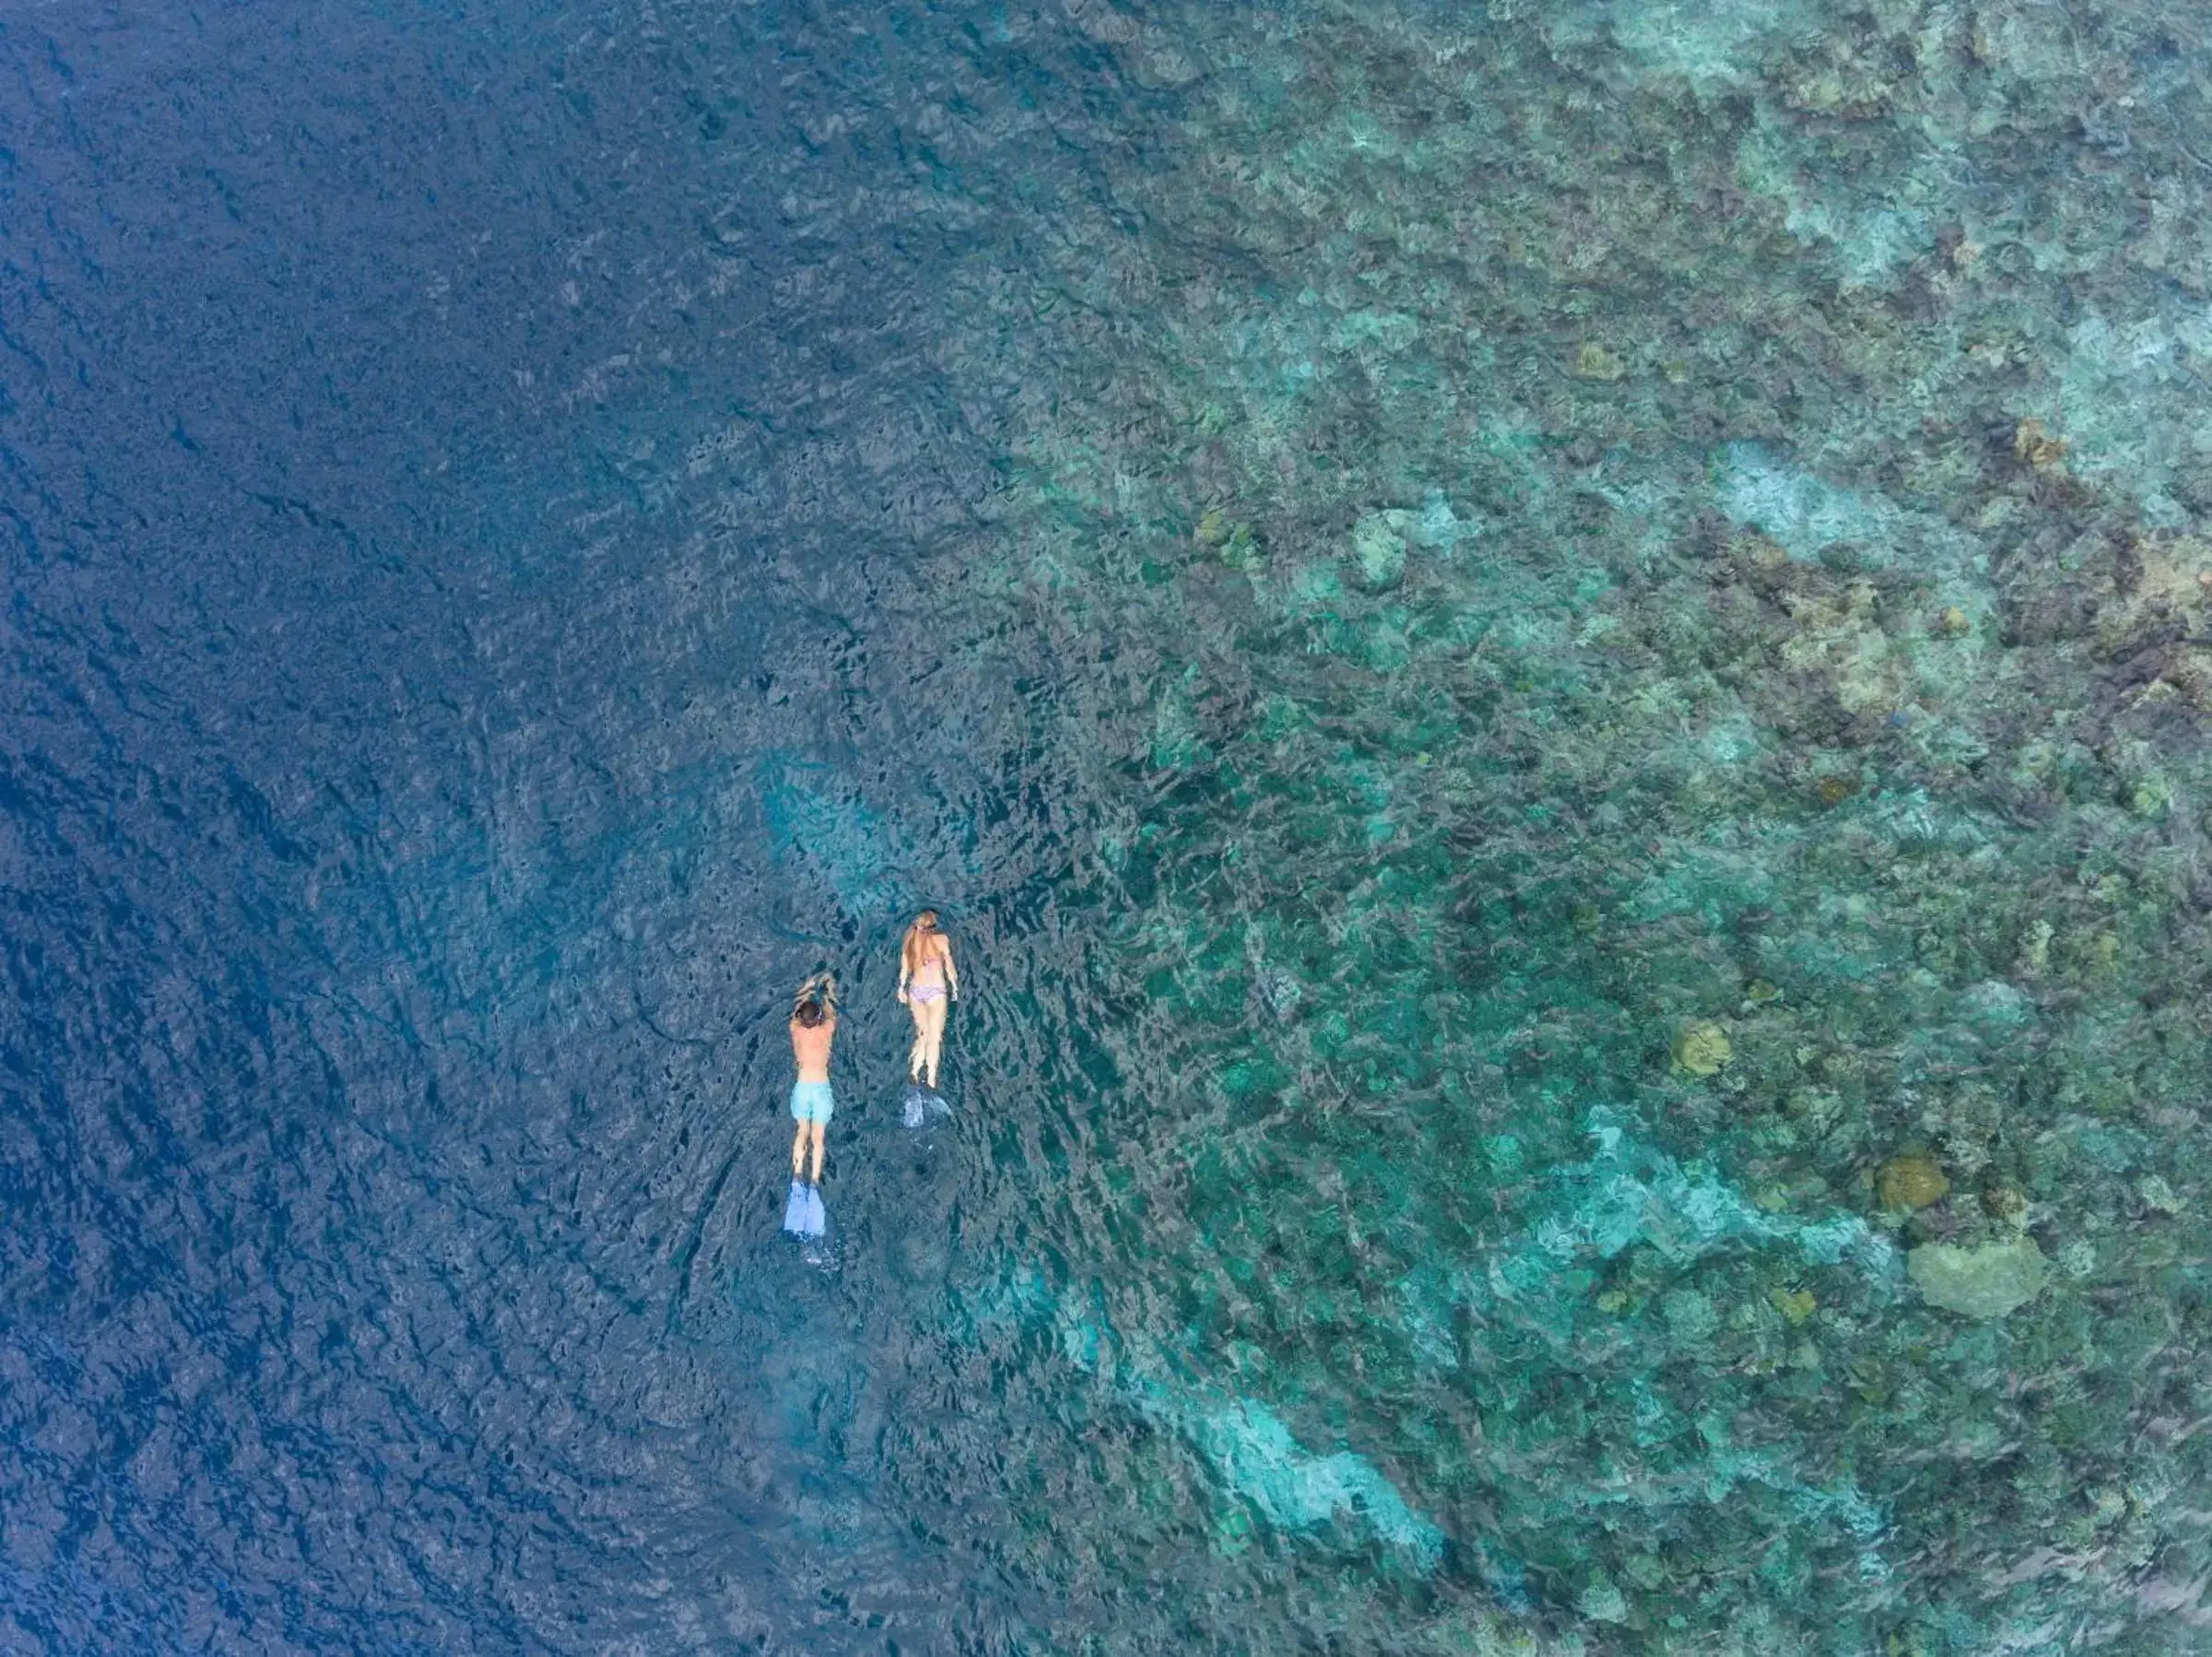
<point x="1297" y="1490"/>
<point x="1701" y="1048"/>
<point x="1595" y="362"/>
<point x="1986" y="1282"/>
<point x="1603" y="1601"/>
<point x="1796" y="1304"/>
<point x="1230" y="540"/>
<point x="1379" y="548"/>
<point x="1275" y="993"/>
<point x="1911" y="1182"/>
<point x="2007" y="1204"/>
<point x="2160" y="1196"/>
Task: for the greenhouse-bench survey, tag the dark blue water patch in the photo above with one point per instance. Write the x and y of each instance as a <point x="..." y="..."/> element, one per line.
<point x="322" y="794"/>
<point x="472" y="479"/>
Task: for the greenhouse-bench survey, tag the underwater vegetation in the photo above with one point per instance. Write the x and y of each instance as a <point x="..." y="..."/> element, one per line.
<point x="1659" y="564"/>
<point x="1626" y="591"/>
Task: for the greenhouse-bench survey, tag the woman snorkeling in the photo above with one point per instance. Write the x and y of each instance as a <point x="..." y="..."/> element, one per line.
<point x="926" y="982"/>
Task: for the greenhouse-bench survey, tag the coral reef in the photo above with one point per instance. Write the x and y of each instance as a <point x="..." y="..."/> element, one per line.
<point x="1701" y="1048"/>
<point x="1911" y="1182"/>
<point x="1986" y="1281"/>
<point x="1687" y="796"/>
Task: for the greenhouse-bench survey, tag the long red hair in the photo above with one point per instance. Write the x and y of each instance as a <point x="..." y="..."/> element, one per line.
<point x="913" y="951"/>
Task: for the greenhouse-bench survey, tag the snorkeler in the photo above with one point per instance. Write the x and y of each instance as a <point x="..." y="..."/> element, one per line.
<point x="926" y="979"/>
<point x="813" y="1029"/>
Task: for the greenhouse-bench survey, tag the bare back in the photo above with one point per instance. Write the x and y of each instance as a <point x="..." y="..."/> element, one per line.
<point x="810" y="1048"/>
<point x="936" y="954"/>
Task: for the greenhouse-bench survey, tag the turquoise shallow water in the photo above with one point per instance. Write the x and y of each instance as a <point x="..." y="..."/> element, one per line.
<point x="1550" y="664"/>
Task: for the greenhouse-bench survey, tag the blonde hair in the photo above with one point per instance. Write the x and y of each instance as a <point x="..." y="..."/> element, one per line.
<point x="911" y="950"/>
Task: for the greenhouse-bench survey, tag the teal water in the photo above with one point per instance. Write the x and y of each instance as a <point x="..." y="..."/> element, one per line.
<point x="1551" y="663"/>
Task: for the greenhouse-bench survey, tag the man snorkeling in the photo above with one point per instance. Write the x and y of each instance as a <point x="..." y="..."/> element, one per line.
<point x="813" y="1029"/>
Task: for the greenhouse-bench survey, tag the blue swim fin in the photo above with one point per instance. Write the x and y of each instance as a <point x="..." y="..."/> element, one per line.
<point x="795" y="1210"/>
<point x="817" y="1221"/>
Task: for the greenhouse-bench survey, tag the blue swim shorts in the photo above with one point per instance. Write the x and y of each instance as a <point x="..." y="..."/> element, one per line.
<point x="810" y="1101"/>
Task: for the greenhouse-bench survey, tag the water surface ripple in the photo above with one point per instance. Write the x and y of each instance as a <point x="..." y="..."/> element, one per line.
<point x="1537" y="659"/>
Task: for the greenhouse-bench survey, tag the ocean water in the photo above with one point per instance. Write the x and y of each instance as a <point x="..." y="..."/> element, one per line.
<point x="1551" y="664"/>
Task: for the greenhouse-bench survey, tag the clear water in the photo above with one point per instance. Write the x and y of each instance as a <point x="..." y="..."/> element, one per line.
<point x="1549" y="663"/>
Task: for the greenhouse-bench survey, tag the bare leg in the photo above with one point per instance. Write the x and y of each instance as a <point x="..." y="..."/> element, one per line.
<point x="932" y="1039"/>
<point x="921" y="1039"/>
<point x="818" y="1131"/>
<point x="798" y="1150"/>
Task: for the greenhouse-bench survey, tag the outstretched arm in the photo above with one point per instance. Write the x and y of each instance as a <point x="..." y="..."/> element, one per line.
<point x="952" y="978"/>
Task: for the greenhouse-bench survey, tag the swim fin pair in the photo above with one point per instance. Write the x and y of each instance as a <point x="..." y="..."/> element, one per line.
<point x="803" y="1213"/>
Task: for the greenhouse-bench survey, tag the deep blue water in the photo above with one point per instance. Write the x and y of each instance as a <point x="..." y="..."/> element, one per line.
<point x="472" y="480"/>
